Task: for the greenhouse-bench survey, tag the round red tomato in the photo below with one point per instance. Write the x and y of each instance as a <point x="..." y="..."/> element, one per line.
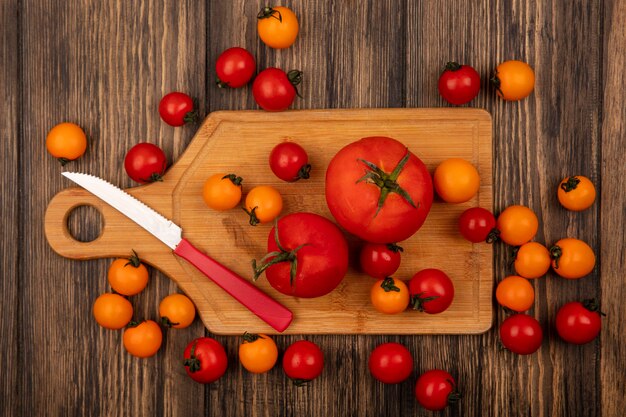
<point x="303" y="361"/>
<point x="176" y="109"/>
<point x="521" y="334"/>
<point x="378" y="190"/>
<point x="579" y="323"/>
<point x="145" y="163"/>
<point x="290" y="162"/>
<point x="391" y="363"/>
<point x="431" y="291"/>
<point x="435" y="389"/>
<point x="274" y="89"/>
<point x="308" y="256"/>
<point x="380" y="260"/>
<point x="459" y="84"/>
<point x="205" y="360"/>
<point x="234" y="67"/>
<point x="478" y="225"/>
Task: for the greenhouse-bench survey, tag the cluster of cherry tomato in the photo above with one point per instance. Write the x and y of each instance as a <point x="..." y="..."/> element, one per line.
<point x="129" y="277"/>
<point x="263" y="203"/>
<point x="205" y="359"/>
<point x="392" y="363"/>
<point x="460" y="84"/>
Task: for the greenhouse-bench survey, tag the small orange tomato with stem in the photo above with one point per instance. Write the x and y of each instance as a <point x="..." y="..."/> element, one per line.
<point x="263" y="204"/>
<point x="572" y="258"/>
<point x="277" y="26"/>
<point x="112" y="311"/>
<point x="258" y="353"/>
<point x="513" y="80"/>
<point x="515" y="293"/>
<point x="128" y="276"/>
<point x="177" y="311"/>
<point x="143" y="339"/>
<point x="532" y="260"/>
<point x="517" y="225"/>
<point x="66" y="142"/>
<point x="390" y="296"/>
<point x="576" y="193"/>
<point x="456" y="180"/>
<point x="222" y="191"/>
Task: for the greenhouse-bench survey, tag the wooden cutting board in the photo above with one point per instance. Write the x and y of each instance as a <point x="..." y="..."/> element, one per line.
<point x="240" y="142"/>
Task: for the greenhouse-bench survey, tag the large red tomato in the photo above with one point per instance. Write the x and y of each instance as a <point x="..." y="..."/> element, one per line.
<point x="378" y="190"/>
<point x="307" y="257"/>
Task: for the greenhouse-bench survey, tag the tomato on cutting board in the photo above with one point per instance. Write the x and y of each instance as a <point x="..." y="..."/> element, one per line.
<point x="477" y="225"/>
<point x="378" y="190"/>
<point x="128" y="276"/>
<point x="380" y="260"/>
<point x="431" y="290"/>
<point x="456" y="180"/>
<point x="205" y="360"/>
<point x="145" y="163"/>
<point x="290" y="162"/>
<point x="222" y="191"/>
<point x="263" y="204"/>
<point x="389" y="296"/>
<point x="307" y="256"/>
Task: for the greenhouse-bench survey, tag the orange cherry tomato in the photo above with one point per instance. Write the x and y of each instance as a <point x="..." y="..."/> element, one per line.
<point x="515" y="293"/>
<point x="572" y="258"/>
<point x="277" y="26"/>
<point x="456" y="180"/>
<point x="112" y="311"/>
<point x="66" y="142"/>
<point x="263" y="204"/>
<point x="517" y="225"/>
<point x="177" y="311"/>
<point x="532" y="260"/>
<point x="514" y="80"/>
<point x="390" y="296"/>
<point x="222" y="191"/>
<point x="258" y="353"/>
<point x="144" y="339"/>
<point x="576" y="193"/>
<point x="128" y="276"/>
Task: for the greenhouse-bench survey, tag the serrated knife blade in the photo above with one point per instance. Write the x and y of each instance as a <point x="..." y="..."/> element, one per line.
<point x="266" y="308"/>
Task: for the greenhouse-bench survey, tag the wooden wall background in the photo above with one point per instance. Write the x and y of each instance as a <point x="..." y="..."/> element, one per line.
<point x="105" y="65"/>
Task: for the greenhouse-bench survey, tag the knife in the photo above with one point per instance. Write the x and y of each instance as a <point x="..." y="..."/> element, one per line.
<point x="266" y="308"/>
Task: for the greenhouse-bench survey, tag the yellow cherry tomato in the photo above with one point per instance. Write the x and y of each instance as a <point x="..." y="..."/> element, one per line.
<point x="277" y="26"/>
<point x="258" y="353"/>
<point x="222" y="191"/>
<point x="532" y="260"/>
<point x="390" y="296"/>
<point x="177" y="311"/>
<point x="66" y="142"/>
<point x="456" y="180"/>
<point x="128" y="276"/>
<point x="517" y="225"/>
<point x="263" y="204"/>
<point x="112" y="311"/>
<point x="514" y="80"/>
<point x="515" y="293"/>
<point x="143" y="340"/>
<point x="576" y="193"/>
<point x="572" y="258"/>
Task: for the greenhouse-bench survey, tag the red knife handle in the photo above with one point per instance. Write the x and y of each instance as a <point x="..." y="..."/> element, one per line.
<point x="268" y="309"/>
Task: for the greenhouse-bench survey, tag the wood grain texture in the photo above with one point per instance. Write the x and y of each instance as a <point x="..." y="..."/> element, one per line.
<point x="105" y="66"/>
<point x="432" y="134"/>
<point x="613" y="212"/>
<point x="10" y="206"/>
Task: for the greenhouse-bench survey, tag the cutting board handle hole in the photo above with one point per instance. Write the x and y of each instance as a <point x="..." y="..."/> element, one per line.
<point x="85" y="223"/>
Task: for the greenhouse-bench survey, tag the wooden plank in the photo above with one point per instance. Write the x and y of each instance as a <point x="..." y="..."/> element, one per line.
<point x="104" y="66"/>
<point x="613" y="213"/>
<point x="9" y="209"/>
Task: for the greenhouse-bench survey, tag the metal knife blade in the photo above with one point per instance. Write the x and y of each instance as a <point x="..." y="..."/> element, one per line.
<point x="165" y="230"/>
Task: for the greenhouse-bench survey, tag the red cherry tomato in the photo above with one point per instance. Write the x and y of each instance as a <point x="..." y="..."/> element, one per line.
<point x="391" y="363"/>
<point x="234" y="67"/>
<point x="478" y="225"/>
<point x="303" y="361"/>
<point x="274" y="90"/>
<point x="145" y="163"/>
<point x="521" y="334"/>
<point x="579" y="323"/>
<point x="176" y="109"/>
<point x="431" y="291"/>
<point x="435" y="389"/>
<point x="379" y="260"/>
<point x="290" y="162"/>
<point x="459" y="84"/>
<point x="205" y="360"/>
